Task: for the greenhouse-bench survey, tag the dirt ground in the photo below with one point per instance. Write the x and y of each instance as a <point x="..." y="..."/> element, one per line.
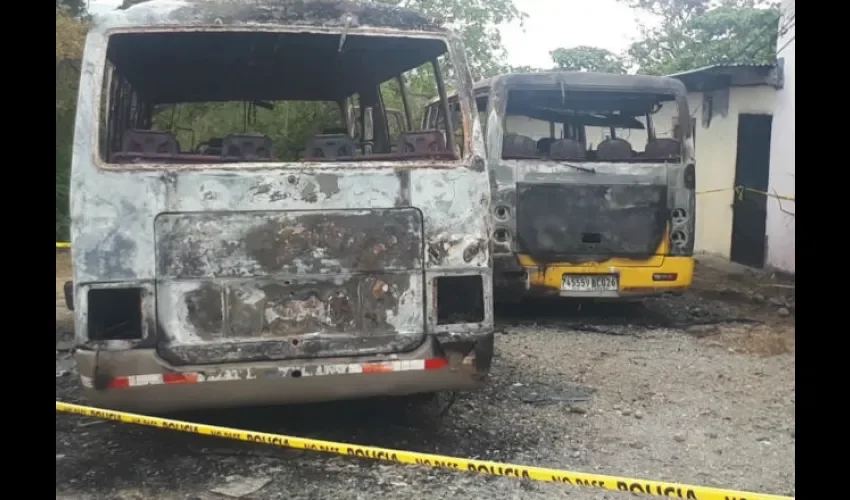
<point x="697" y="389"/>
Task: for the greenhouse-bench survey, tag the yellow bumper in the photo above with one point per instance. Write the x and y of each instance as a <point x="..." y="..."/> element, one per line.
<point x="635" y="279"/>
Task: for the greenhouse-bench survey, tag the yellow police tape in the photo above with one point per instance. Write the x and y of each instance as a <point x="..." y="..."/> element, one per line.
<point x="740" y="190"/>
<point x="63" y="244"/>
<point x="582" y="479"/>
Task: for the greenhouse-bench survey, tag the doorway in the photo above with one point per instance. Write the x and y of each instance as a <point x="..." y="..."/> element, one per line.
<point x="752" y="169"/>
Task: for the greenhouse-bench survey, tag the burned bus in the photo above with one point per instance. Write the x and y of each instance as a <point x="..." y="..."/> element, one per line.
<point x="234" y="245"/>
<point x="592" y="178"/>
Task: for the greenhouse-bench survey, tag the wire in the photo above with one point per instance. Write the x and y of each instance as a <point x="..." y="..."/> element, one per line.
<point x="780" y="49"/>
<point x="788" y="24"/>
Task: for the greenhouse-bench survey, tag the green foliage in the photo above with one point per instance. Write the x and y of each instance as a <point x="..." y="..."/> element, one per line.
<point x="74" y="8"/>
<point x="70" y="35"/>
<point x="696" y="33"/>
<point x="690" y="34"/>
<point x="476" y="21"/>
<point x="289" y="124"/>
<point x="584" y="58"/>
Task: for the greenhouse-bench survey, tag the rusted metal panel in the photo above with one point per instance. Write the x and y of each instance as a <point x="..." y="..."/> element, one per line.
<point x="574" y="222"/>
<point x="262" y="243"/>
<point x="323" y="283"/>
<point x="293" y="316"/>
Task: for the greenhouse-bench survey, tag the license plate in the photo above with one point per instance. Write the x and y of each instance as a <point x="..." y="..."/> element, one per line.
<point x="590" y="283"/>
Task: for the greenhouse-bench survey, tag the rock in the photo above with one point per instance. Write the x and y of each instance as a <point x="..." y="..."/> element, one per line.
<point x="638" y="414"/>
<point x="626" y="412"/>
<point x="64" y="345"/>
<point x="577" y="409"/>
<point x="576" y="454"/>
<point x="700" y="331"/>
<point x="679" y="438"/>
<point x="238" y="487"/>
<point x="712" y="435"/>
<point x="783" y="311"/>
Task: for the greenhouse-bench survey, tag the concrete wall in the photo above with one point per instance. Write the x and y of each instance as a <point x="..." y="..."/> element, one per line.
<point x="716" y="153"/>
<point x="780" y="221"/>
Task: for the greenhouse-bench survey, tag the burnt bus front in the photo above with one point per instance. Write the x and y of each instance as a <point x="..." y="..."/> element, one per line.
<point x="594" y="180"/>
<point x="233" y="245"/>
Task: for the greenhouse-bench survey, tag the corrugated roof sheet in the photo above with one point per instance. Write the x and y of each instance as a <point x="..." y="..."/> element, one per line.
<point x="721" y="68"/>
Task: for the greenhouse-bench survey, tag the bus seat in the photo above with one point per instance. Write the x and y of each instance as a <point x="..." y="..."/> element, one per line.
<point x="567" y="149"/>
<point x="544" y="144"/>
<point x="330" y="146"/>
<point x="663" y="148"/>
<point x="515" y="145"/>
<point x="426" y="141"/>
<point x="614" y="149"/>
<point x="247" y="146"/>
<point x="149" y="141"/>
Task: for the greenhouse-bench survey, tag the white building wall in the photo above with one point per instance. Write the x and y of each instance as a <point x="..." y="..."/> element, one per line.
<point x="780" y="218"/>
<point x="716" y="155"/>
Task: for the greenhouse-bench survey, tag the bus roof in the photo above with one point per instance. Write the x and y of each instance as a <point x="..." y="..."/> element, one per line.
<point x="176" y="66"/>
<point x="613" y="81"/>
<point x="317" y="13"/>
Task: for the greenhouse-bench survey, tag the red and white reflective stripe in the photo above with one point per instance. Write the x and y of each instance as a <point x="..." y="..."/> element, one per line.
<point x="226" y="375"/>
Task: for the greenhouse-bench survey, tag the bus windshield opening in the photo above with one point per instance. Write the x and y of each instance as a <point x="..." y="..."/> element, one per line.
<point x="601" y="126"/>
<point x="231" y="97"/>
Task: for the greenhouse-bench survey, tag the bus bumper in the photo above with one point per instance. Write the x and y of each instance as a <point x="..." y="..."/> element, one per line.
<point x="137" y="380"/>
<point x="675" y="274"/>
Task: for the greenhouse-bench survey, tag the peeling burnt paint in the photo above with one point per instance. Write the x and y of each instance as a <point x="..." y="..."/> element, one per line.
<point x="316" y="281"/>
<point x="256" y="244"/>
<point x="233" y="351"/>
<point x="203" y="308"/>
<point x="575" y="222"/>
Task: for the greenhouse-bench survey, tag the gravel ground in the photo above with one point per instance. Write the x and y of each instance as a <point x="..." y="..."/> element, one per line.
<point x="697" y="389"/>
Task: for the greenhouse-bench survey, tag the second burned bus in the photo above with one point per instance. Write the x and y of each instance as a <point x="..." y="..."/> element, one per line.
<point x="592" y="178"/>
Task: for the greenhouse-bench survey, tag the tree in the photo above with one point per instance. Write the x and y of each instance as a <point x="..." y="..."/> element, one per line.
<point x="477" y="22"/>
<point x="74" y="8"/>
<point x="696" y="33"/>
<point x="585" y="58"/>
<point x="70" y="35"/>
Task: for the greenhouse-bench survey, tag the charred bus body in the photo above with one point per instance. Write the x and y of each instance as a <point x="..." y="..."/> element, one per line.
<point x="261" y="269"/>
<point x="592" y="179"/>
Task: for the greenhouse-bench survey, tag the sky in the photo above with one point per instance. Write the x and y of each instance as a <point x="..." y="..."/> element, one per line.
<point x="550" y="24"/>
